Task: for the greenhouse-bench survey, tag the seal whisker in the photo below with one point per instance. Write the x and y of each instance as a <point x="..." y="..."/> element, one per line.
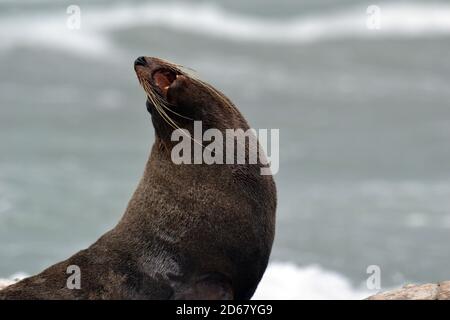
<point x="176" y="113"/>
<point x="161" y="112"/>
<point x="175" y="126"/>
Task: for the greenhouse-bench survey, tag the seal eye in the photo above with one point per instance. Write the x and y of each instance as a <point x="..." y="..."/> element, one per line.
<point x="163" y="78"/>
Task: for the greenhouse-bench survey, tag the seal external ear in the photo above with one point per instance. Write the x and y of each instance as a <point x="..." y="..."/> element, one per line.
<point x="209" y="287"/>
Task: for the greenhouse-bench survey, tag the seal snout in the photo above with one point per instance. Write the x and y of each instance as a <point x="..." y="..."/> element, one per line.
<point x="141" y="61"/>
<point x="156" y="74"/>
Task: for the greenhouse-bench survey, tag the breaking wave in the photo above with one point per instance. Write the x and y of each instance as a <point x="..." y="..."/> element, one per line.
<point x="287" y="281"/>
<point x="49" y="29"/>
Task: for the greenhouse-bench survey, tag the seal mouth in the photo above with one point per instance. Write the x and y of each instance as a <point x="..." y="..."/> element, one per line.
<point x="155" y="75"/>
<point x="163" y="79"/>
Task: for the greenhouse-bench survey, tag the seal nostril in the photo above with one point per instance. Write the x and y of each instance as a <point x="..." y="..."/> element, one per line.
<point x="140" y="62"/>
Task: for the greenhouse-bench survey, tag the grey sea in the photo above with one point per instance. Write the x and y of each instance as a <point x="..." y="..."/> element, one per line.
<point x="363" y="114"/>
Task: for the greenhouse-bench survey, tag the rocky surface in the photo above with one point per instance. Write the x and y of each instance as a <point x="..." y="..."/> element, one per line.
<point x="429" y="291"/>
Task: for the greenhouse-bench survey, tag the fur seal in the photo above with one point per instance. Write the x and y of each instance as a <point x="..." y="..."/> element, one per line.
<point x="189" y="231"/>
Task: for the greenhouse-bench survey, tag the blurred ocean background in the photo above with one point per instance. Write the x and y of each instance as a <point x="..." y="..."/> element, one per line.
<point x="364" y="119"/>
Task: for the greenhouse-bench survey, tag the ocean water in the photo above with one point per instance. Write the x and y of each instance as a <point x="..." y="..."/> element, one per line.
<point x="364" y="119"/>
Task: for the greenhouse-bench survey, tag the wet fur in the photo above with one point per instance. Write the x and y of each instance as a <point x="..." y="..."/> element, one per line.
<point x="189" y="231"/>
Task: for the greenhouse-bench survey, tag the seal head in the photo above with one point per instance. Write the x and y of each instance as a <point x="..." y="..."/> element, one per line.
<point x="176" y="98"/>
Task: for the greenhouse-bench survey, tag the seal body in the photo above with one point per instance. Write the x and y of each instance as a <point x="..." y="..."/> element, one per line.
<point x="190" y="231"/>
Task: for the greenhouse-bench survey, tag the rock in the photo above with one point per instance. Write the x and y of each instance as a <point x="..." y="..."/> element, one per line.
<point x="429" y="291"/>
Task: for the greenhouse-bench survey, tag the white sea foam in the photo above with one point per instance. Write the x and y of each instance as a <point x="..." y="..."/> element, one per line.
<point x="50" y="32"/>
<point x="4" y="283"/>
<point x="397" y="20"/>
<point x="288" y="281"/>
<point x="12" y="279"/>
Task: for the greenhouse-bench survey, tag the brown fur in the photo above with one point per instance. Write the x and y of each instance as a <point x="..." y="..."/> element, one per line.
<point x="189" y="231"/>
